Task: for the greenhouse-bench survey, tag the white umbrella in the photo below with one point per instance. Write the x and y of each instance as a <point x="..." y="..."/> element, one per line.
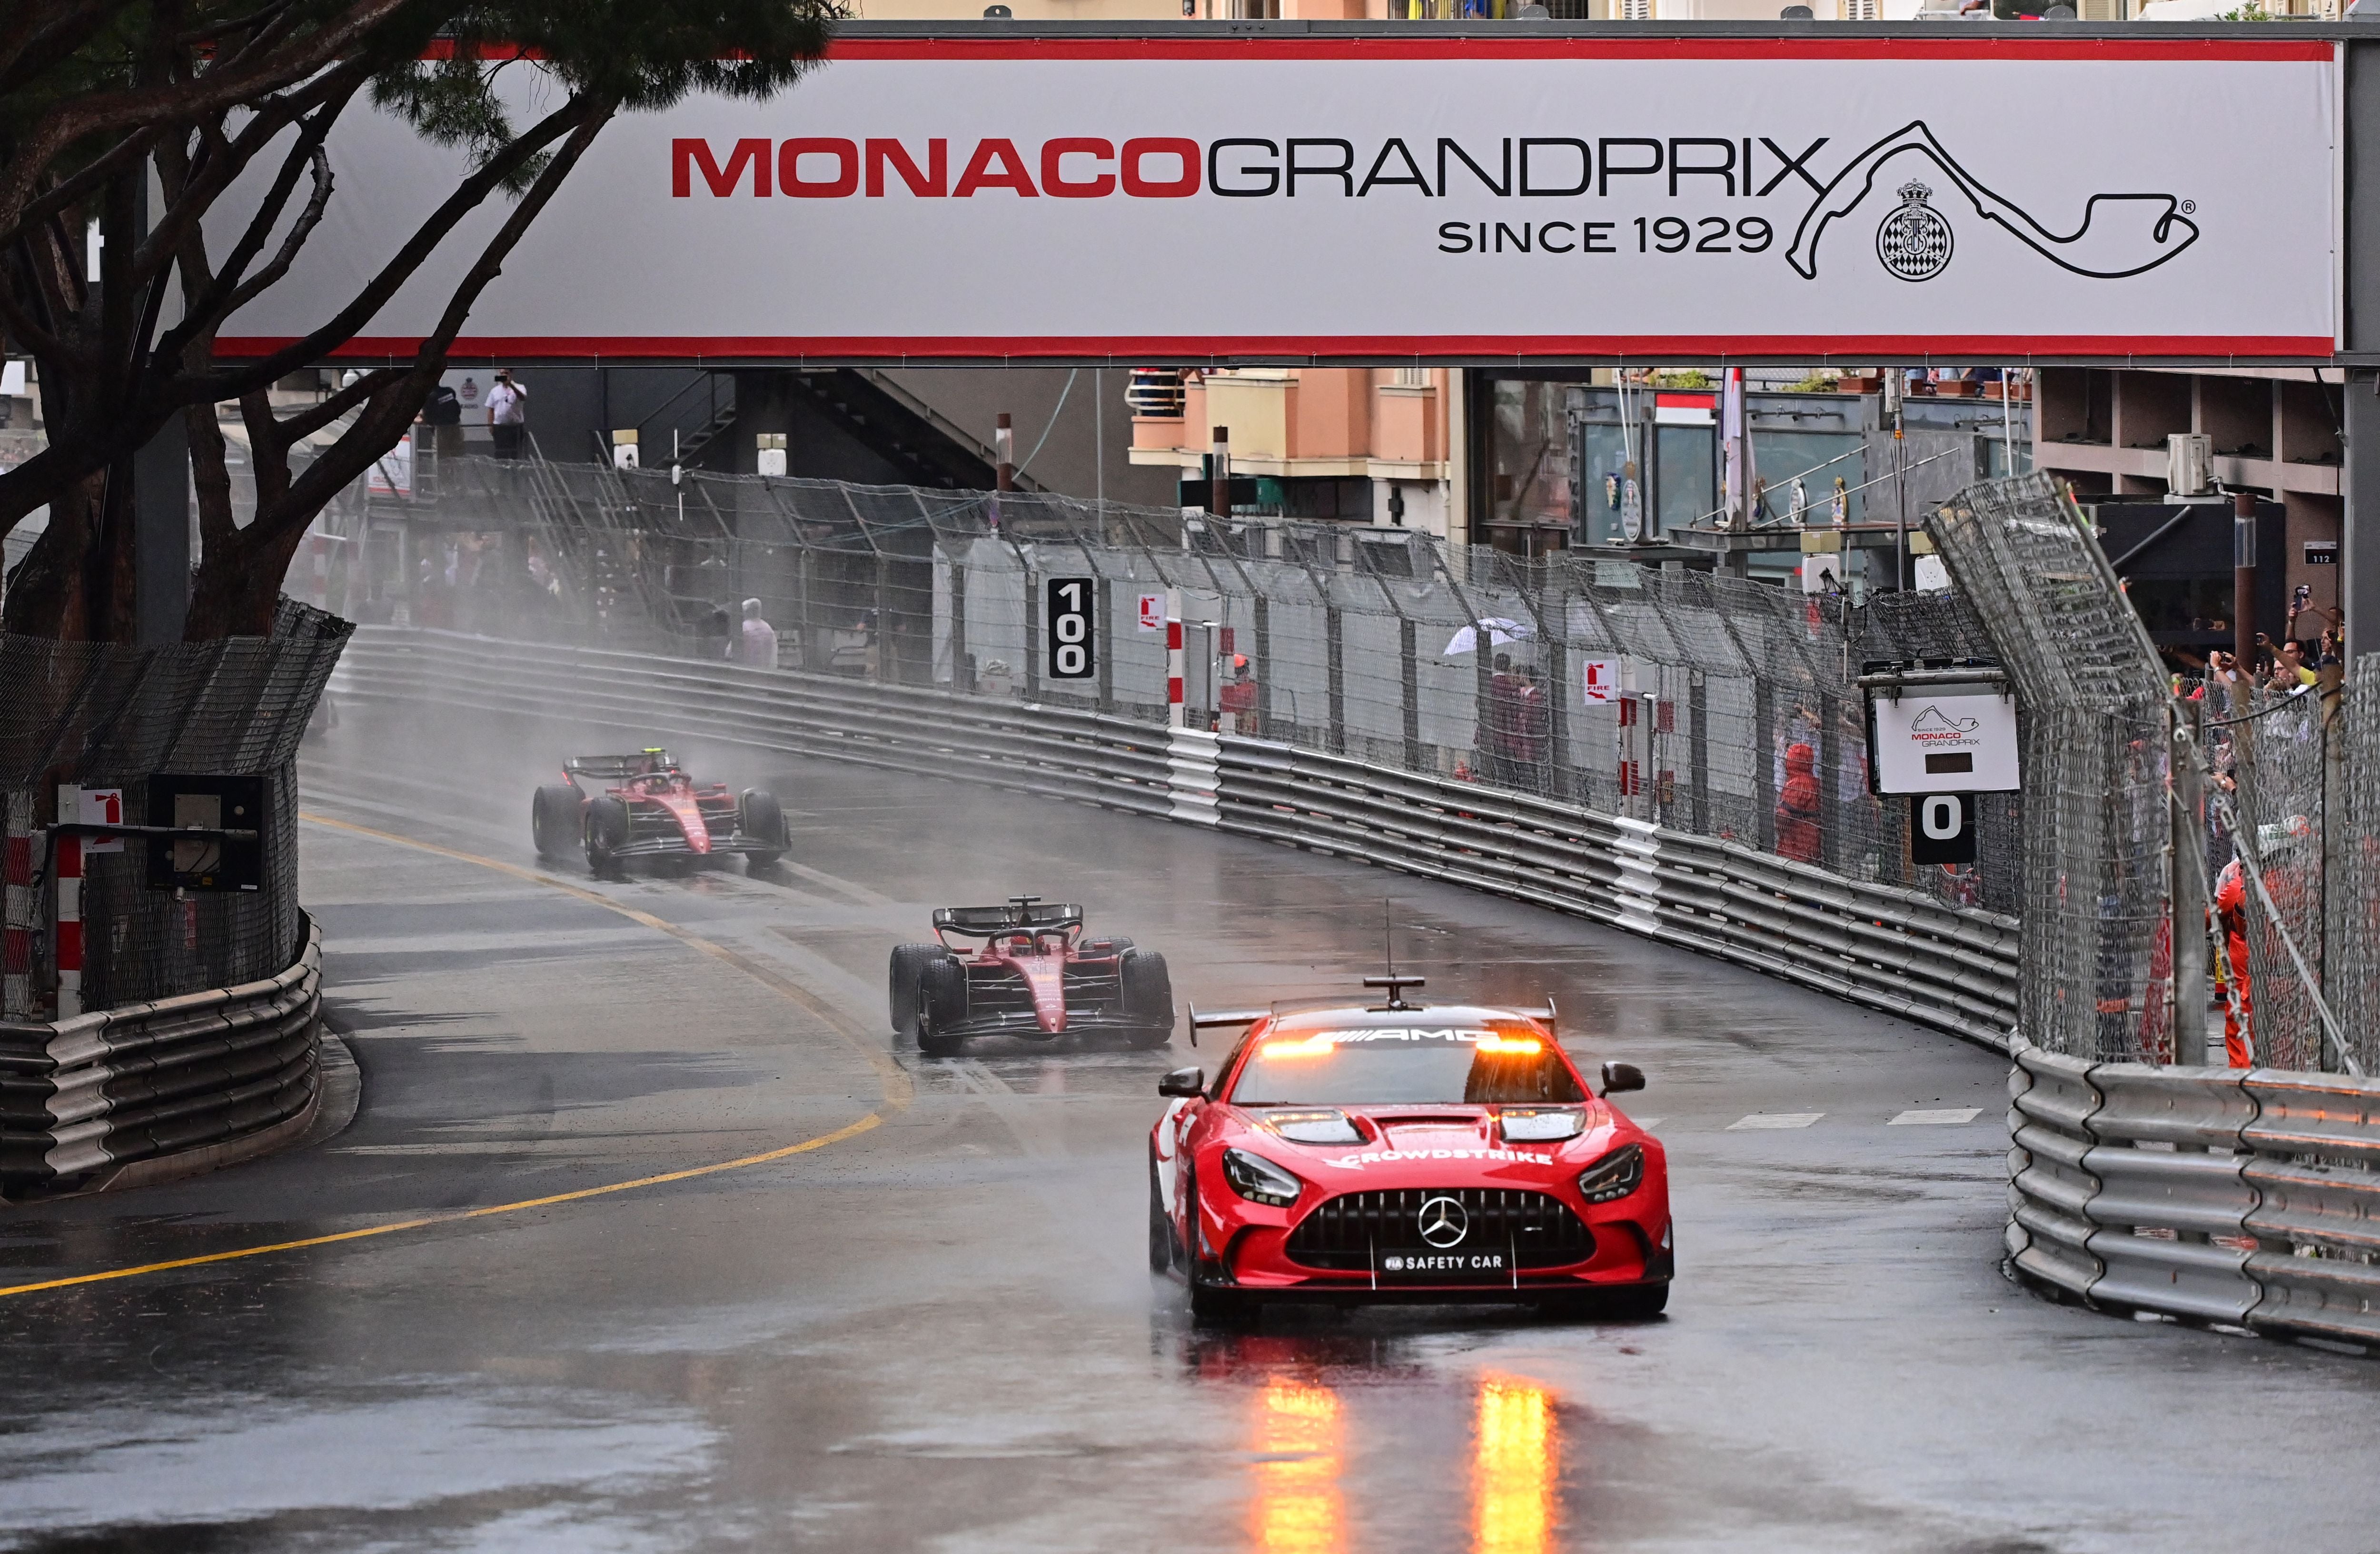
<point x="1502" y="632"/>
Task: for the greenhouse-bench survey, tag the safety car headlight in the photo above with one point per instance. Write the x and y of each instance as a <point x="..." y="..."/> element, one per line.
<point x="1615" y="1176"/>
<point x="1314" y="1127"/>
<point x="1259" y="1180"/>
<point x="1539" y="1127"/>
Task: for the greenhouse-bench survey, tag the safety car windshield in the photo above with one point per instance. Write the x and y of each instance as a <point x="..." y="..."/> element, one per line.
<point x="1405" y="1064"/>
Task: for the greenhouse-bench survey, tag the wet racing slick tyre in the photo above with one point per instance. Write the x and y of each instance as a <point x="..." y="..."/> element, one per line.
<point x="909" y="962"/>
<point x="1148" y="997"/>
<point x="607" y="832"/>
<point x="1161" y="1226"/>
<point x="554" y="820"/>
<point x="941" y="1007"/>
<point x="759" y="817"/>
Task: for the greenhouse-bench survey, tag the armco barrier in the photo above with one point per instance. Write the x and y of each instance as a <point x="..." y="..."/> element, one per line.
<point x="2248" y="1196"/>
<point x="1880" y="946"/>
<point x="82" y="1099"/>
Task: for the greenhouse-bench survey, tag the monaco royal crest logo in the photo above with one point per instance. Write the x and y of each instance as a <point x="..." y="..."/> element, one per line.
<point x="1913" y="241"/>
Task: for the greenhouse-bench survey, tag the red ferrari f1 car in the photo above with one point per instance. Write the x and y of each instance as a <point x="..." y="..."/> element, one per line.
<point x="648" y="807"/>
<point x="1403" y="1152"/>
<point x="1030" y="972"/>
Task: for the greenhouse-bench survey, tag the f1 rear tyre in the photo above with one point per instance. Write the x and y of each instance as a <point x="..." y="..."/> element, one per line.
<point x="909" y="962"/>
<point x="554" y="820"/>
<point x="1148" y="997"/>
<point x="941" y="1007"/>
<point x="607" y="832"/>
<point x="759" y="817"/>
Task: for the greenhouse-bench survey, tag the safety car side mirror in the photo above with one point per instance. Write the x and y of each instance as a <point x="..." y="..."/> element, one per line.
<point x="1183" y="1082"/>
<point x="1621" y="1076"/>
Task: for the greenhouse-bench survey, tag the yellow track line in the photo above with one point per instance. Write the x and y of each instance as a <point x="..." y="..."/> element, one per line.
<point x="898" y="1088"/>
<point x="870" y="1120"/>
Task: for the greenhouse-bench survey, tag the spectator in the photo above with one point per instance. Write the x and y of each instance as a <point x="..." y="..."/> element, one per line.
<point x="1238" y="697"/>
<point x="711" y="636"/>
<point x="507" y="414"/>
<point x="1499" y="728"/>
<point x="1797" y="806"/>
<point x="757" y="644"/>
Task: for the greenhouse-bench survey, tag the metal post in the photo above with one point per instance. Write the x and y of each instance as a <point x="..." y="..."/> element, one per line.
<point x="2244" y="578"/>
<point x="1408" y="656"/>
<point x="2359" y="582"/>
<point x="1830" y="756"/>
<point x="1219" y="474"/>
<point x="1763" y="762"/>
<point x="1173" y="656"/>
<point x="1698" y="749"/>
<point x="1103" y="614"/>
<point x="1261" y="606"/>
<point x="1335" y="673"/>
<point x="888" y="662"/>
<point x="1032" y="636"/>
<point x="1003" y="446"/>
<point x="2189" y="855"/>
<point x="962" y="670"/>
<point x="161" y="535"/>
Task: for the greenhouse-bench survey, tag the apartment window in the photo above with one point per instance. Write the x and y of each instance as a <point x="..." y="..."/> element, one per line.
<point x="1410" y="377"/>
<point x="1256" y="10"/>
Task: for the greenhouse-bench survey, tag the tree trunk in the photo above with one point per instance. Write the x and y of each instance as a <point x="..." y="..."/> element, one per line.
<point x="49" y="593"/>
<point x="238" y="582"/>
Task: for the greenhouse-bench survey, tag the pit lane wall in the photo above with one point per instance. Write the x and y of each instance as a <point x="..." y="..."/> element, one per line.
<point x="2246" y="1197"/>
<point x="1887" y="948"/>
<point x="230" y="1071"/>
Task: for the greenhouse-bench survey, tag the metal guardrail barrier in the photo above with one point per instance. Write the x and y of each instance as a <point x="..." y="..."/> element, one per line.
<point x="2241" y="1196"/>
<point x="1884" y="947"/>
<point x="84" y="1096"/>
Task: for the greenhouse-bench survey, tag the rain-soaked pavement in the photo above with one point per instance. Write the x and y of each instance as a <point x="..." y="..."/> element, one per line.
<point x="934" y="1327"/>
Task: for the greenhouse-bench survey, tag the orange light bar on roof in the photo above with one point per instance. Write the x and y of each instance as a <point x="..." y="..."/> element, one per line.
<point x="1318" y="1045"/>
<point x="1492" y="1042"/>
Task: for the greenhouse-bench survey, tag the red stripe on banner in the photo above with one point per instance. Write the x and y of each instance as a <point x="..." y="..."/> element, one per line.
<point x="69" y="857"/>
<point x="2013" y="350"/>
<point x="1173" y="634"/>
<point x="1174" y="691"/>
<point x="69" y="946"/>
<point x="2019" y="49"/>
<point x="18" y="867"/>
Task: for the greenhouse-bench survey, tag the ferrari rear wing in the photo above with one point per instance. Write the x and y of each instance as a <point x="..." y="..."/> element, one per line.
<point x="615" y="768"/>
<point x="987" y="922"/>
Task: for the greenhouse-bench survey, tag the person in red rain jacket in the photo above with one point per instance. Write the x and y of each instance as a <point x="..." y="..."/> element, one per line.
<point x="1797" y="806"/>
<point x="2231" y="911"/>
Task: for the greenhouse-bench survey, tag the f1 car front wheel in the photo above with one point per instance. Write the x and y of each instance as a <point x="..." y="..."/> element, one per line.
<point x="759" y="817"/>
<point x="941" y="1007"/>
<point x="607" y="832"/>
<point x="554" y="820"/>
<point x="908" y="970"/>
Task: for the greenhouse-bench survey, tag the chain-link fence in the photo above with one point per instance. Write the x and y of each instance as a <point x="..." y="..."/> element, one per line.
<point x="105" y="715"/>
<point x="2099" y="843"/>
<point x="1716" y="705"/>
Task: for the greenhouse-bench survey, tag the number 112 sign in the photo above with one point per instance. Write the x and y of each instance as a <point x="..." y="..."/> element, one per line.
<point x="1068" y="645"/>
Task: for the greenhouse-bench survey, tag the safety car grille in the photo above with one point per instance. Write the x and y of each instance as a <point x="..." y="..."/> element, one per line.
<point x="1344" y="1232"/>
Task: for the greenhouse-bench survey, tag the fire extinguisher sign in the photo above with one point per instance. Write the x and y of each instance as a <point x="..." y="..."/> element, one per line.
<point x="1069" y="643"/>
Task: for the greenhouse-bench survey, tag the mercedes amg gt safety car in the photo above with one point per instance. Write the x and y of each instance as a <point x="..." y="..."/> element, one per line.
<point x="1402" y="1152"/>
<point x="646" y="807"/>
<point x="1026" y="970"/>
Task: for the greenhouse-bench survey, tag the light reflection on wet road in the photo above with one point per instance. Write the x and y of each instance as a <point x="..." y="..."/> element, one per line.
<point x="941" y="1334"/>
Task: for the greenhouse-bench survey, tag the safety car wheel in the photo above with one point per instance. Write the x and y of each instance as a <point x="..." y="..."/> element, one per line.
<point x="909" y="962"/>
<point x="554" y="819"/>
<point x="1211" y="1306"/>
<point x="1160" y="1228"/>
<point x="941" y="1007"/>
<point x="607" y="832"/>
<point x="1148" y="997"/>
<point x="759" y="817"/>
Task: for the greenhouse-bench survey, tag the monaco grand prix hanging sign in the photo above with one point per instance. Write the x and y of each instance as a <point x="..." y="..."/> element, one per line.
<point x="1981" y="194"/>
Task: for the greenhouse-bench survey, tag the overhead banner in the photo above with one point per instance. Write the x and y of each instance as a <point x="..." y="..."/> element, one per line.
<point x="1982" y="197"/>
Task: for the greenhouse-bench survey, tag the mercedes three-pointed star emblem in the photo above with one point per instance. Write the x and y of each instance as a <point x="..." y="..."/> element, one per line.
<point x="1443" y="1223"/>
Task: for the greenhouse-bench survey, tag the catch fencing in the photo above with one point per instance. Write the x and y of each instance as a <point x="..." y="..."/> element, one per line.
<point x="108" y="715"/>
<point x="1886" y="947"/>
<point x="1711" y="707"/>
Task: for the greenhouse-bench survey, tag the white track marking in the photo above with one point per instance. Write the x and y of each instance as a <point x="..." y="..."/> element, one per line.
<point x="1947" y="1117"/>
<point x="1774" y="1120"/>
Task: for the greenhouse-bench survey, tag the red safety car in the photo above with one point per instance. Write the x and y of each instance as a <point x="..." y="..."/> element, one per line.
<point x="1405" y="1152"/>
<point x="646" y="807"/>
<point x="1026" y="970"/>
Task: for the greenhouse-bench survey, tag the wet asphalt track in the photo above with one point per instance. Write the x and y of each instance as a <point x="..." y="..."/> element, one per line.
<point x="937" y="1330"/>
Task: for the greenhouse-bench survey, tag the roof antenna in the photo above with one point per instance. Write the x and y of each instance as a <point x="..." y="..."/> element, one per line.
<point x="1395" y="984"/>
